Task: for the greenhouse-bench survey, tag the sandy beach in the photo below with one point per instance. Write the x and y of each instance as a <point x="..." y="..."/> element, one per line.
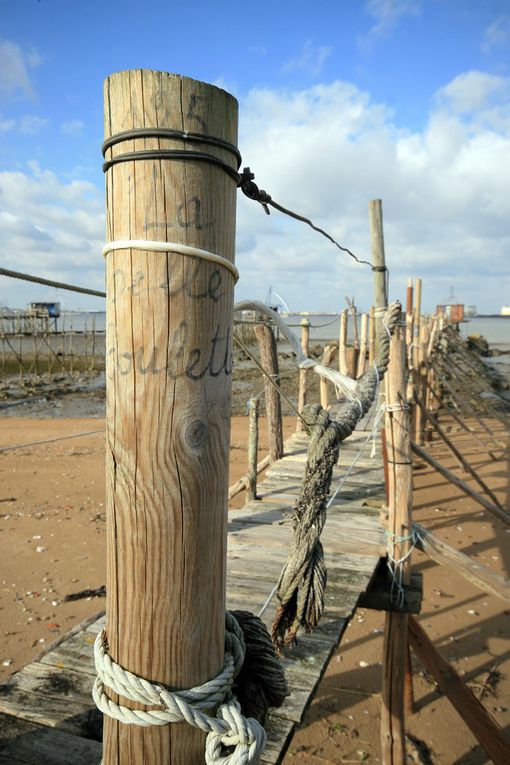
<point x="52" y="543"/>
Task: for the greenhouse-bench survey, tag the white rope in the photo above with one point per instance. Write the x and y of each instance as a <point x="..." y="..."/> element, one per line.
<point x="396" y="565"/>
<point x="343" y="383"/>
<point x="228" y="729"/>
<point x="181" y="249"/>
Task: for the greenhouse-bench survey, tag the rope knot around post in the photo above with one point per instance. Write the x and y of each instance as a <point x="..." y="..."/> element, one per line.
<point x="259" y="683"/>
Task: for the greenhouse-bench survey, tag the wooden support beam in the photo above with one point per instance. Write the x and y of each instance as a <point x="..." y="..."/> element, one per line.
<point x="481" y="724"/>
<point x="168" y="382"/>
<point x="269" y="361"/>
<point x="474" y="572"/>
<point x="500" y="513"/>
<point x="461" y="461"/>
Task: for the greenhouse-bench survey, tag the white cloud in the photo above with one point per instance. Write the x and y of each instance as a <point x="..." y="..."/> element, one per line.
<point x="324" y="152"/>
<point x="73" y="127"/>
<point x="310" y="60"/>
<point x="49" y="228"/>
<point x="14" y="69"/>
<point x="473" y="91"/>
<point x="496" y="34"/>
<point x="386" y="14"/>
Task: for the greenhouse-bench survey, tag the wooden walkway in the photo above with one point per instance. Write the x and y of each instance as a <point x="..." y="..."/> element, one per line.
<point x="47" y="716"/>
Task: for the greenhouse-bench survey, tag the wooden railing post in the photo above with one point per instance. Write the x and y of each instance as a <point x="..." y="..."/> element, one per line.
<point x="169" y="364"/>
<point x="305" y="343"/>
<point x="400" y="488"/>
<point x="378" y="260"/>
<point x="253" y="447"/>
<point x="269" y="360"/>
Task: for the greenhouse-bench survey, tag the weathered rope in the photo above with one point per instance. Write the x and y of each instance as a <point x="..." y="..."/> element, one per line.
<point x="342" y="382"/>
<point x="177" y="247"/>
<point x="302" y="583"/>
<point x="260" y="683"/>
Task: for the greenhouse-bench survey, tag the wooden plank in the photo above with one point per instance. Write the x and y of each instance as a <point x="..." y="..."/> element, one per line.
<point x="49" y="696"/>
<point x="474" y="572"/>
<point x="24" y="743"/>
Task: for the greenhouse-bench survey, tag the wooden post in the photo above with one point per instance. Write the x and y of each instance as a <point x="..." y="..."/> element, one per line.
<point x="169" y="365"/>
<point x="327" y="358"/>
<point x="371" y="336"/>
<point x="305" y="343"/>
<point x="400" y="490"/>
<point x="417" y="323"/>
<point x="342" y="342"/>
<point x="269" y="360"/>
<point x="253" y="447"/>
<point x="378" y="259"/>
<point x="362" y="360"/>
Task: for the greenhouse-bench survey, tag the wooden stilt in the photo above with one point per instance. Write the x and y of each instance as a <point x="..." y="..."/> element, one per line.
<point x="399" y="544"/>
<point x="169" y="365"/>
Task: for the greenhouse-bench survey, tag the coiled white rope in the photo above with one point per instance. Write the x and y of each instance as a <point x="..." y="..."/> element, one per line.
<point x="343" y="383"/>
<point x="181" y="249"/>
<point x="228" y="729"/>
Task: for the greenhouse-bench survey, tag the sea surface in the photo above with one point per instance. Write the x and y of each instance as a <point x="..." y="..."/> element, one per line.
<point x="325" y="326"/>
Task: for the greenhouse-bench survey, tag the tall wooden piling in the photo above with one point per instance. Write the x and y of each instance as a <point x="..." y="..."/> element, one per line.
<point x="169" y="367"/>
<point x="375" y="217"/>
<point x="400" y="493"/>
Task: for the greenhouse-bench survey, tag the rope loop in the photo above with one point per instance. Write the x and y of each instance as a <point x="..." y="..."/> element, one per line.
<point x="228" y="729"/>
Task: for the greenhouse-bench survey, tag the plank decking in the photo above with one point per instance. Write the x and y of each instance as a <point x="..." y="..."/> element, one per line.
<point x="47" y="716"/>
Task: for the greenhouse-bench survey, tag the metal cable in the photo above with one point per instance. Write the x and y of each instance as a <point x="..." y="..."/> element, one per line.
<point x="50" y="283"/>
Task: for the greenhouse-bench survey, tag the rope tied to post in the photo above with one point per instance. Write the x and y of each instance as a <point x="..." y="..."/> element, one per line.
<point x="302" y="584"/>
<point x="230" y="728"/>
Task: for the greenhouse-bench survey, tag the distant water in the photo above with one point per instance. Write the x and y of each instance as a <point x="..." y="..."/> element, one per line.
<point x="325" y="326"/>
<point x="496" y="330"/>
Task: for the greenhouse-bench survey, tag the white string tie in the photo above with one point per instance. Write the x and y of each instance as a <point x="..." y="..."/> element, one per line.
<point x="177" y="247"/>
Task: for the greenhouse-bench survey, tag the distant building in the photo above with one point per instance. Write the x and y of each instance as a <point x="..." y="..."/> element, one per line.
<point x="45" y="309"/>
<point x="470" y="311"/>
<point x="451" y="311"/>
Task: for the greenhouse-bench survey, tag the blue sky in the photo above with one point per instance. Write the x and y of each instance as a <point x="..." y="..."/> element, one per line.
<point x="340" y="102"/>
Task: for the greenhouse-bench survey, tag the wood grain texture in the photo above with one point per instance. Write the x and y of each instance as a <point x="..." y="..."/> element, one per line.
<point x="169" y="367"/>
<point x="269" y="361"/>
<point x="400" y="493"/>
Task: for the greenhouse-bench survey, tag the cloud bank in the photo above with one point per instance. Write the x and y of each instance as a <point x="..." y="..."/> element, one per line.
<point x="323" y="151"/>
